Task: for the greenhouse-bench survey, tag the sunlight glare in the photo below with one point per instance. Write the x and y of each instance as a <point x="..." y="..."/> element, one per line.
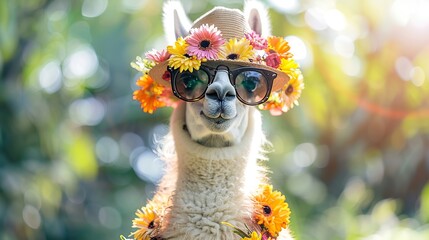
<point x="93" y="8"/>
<point x="314" y="17"/>
<point x="300" y="51"/>
<point x="335" y="19"/>
<point x="413" y="12"/>
<point x="89" y="111"/>
<point x="146" y="164"/>
<point x="290" y="6"/>
<point x="107" y="149"/>
<point x="344" y="46"/>
<point x="353" y="66"/>
<point x="417" y="75"/>
<point x="81" y="64"/>
<point x="50" y="77"/>
<point x="403" y="67"/>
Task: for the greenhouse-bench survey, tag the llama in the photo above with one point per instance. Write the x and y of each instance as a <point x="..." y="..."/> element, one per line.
<point x="212" y="176"/>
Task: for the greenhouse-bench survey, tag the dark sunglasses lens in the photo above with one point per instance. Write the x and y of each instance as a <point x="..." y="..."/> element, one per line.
<point x="251" y="86"/>
<point x="191" y="85"/>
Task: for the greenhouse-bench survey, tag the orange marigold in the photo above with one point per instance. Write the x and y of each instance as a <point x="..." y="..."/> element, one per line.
<point x="149" y="94"/>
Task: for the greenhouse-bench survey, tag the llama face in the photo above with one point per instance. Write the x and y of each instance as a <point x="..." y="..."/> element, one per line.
<point x="218" y="119"/>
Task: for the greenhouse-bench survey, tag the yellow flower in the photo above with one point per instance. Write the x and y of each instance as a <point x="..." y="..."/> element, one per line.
<point x="237" y="50"/>
<point x="147" y="222"/>
<point x="180" y="59"/>
<point x="285" y="99"/>
<point x="179" y="47"/>
<point x="272" y="212"/>
<point x="288" y="66"/>
<point x="253" y="236"/>
<point x="149" y="94"/>
<point x="278" y="45"/>
<point x="184" y="63"/>
<point x="292" y="90"/>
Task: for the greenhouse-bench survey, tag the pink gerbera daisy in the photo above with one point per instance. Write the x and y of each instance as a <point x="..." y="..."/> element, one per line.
<point x="158" y="57"/>
<point x="205" y="42"/>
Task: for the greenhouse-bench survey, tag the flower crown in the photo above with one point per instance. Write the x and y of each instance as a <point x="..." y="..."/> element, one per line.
<point x="206" y="43"/>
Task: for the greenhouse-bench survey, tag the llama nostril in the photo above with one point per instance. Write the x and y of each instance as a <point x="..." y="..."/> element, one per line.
<point x="230" y="94"/>
<point x="211" y="93"/>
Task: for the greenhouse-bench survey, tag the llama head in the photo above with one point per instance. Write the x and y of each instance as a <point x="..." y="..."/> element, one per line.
<point x="218" y="119"/>
<point x="223" y="65"/>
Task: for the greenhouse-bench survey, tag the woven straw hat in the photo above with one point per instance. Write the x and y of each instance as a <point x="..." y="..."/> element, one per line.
<point x="232" y="24"/>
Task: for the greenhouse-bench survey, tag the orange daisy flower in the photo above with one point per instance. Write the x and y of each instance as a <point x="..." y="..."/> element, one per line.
<point x="278" y="45"/>
<point x="147" y="222"/>
<point x="292" y="90"/>
<point x="272" y="212"/>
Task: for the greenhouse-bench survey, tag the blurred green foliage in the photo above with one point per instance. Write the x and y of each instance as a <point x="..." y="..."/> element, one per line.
<point x="76" y="153"/>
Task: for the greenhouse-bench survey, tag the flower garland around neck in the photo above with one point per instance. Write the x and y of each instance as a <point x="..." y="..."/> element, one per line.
<point x="206" y="43"/>
<point x="271" y="214"/>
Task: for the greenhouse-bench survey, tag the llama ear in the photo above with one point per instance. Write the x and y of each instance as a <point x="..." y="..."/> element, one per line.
<point x="176" y="23"/>
<point x="257" y="17"/>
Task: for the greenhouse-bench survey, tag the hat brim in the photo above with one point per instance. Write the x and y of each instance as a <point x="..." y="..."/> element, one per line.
<point x="157" y="72"/>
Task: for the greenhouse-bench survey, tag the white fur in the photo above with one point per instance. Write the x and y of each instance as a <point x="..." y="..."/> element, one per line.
<point x="213" y="185"/>
<point x="176" y="22"/>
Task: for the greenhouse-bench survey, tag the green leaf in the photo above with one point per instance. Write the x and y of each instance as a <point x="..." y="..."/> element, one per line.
<point x="237" y="231"/>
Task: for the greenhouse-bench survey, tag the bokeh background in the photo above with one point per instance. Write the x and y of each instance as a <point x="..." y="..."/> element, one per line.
<point x="76" y="152"/>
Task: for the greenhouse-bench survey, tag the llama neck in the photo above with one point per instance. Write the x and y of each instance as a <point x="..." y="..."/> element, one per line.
<point x="199" y="174"/>
<point x="211" y="166"/>
<point x="214" y="184"/>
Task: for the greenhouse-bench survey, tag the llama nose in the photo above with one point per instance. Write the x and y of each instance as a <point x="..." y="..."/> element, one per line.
<point x="221" y="88"/>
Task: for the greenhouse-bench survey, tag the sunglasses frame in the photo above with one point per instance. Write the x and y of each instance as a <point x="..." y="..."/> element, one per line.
<point x="232" y="74"/>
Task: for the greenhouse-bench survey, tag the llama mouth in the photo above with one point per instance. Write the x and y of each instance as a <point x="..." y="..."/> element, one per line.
<point x="218" y="120"/>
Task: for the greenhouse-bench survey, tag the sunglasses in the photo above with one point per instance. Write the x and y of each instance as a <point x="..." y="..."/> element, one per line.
<point x="252" y="85"/>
